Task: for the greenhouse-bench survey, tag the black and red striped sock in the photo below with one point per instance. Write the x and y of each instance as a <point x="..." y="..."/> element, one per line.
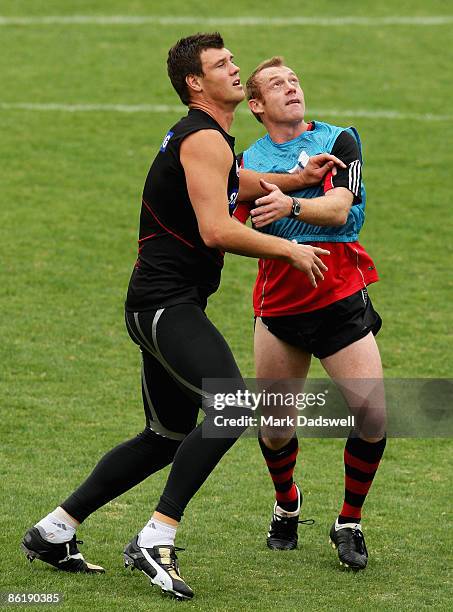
<point x="281" y="464"/>
<point x="361" y="461"/>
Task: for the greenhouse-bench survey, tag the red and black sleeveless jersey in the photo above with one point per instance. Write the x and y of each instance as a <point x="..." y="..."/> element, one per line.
<point x="174" y="266"/>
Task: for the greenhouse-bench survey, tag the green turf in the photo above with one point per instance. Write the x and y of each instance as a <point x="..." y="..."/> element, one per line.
<point x="70" y="194"/>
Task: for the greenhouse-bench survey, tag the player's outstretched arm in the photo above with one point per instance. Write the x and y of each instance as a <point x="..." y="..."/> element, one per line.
<point x="250" y="186"/>
<point x="207" y="160"/>
<point x="331" y="209"/>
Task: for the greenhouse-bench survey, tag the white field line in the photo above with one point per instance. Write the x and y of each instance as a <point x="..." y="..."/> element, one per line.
<point x="168" y="108"/>
<point x="396" y="20"/>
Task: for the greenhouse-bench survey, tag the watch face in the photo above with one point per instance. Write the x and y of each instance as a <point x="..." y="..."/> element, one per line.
<point x="295" y="210"/>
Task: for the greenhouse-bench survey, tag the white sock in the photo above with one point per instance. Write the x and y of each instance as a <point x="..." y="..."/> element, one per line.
<point x="156" y="533"/>
<point x="57" y="526"/>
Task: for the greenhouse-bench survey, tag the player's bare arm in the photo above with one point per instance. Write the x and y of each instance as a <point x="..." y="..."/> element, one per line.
<point x="331" y="209"/>
<point x="318" y="166"/>
<point x="207" y="187"/>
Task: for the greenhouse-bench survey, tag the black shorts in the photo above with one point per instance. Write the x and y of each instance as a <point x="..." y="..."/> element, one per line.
<point x="325" y="331"/>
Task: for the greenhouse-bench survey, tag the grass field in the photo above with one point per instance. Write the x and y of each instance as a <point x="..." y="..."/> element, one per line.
<point x="70" y="194"/>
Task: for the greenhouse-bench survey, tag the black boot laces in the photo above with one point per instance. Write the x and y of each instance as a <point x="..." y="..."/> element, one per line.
<point x="359" y="541"/>
<point x="282" y="526"/>
<point x="71" y="548"/>
<point x="173" y="564"/>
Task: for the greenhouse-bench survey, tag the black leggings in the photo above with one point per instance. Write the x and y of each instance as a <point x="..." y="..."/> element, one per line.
<point x="180" y="347"/>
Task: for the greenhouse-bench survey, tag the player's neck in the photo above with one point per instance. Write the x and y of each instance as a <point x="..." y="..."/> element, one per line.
<point x="223" y="116"/>
<point x="284" y="132"/>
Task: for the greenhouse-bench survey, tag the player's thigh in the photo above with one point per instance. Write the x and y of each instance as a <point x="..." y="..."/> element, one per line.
<point x="360" y="359"/>
<point x="191" y="350"/>
<point x="276" y="359"/>
<point x="169" y="410"/>
<point x="357" y="370"/>
<point x="281" y="370"/>
<point x="192" y="346"/>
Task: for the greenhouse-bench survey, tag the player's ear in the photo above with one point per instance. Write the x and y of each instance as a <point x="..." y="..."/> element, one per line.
<point x="194" y="82"/>
<point x="256" y="106"/>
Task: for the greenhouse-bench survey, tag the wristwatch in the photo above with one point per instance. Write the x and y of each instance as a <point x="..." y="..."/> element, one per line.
<point x="295" y="208"/>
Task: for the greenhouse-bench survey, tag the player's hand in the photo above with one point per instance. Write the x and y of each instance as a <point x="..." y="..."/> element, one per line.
<point x="318" y="166"/>
<point x="271" y="207"/>
<point x="306" y="259"/>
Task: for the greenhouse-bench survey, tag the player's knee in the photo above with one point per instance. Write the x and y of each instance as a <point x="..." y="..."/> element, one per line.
<point x="276" y="442"/>
<point x="228" y="420"/>
<point x="371" y="424"/>
<point x="166" y="447"/>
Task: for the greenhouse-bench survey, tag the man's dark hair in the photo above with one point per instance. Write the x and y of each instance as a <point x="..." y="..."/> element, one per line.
<point x="184" y="59"/>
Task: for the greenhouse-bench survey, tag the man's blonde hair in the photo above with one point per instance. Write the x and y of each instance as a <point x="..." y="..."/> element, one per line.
<point x="252" y="87"/>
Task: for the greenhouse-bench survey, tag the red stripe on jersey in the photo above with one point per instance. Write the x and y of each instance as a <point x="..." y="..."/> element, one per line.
<point x="282" y="290"/>
<point x="242" y="211"/>
<point x="147" y="237"/>
<point x="148" y="207"/>
<point x="363" y="466"/>
<point x="328" y="182"/>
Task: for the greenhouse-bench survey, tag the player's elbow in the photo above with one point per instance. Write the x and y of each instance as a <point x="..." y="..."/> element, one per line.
<point x="341" y="217"/>
<point x="342" y="213"/>
<point x="339" y="204"/>
<point x="211" y="237"/>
